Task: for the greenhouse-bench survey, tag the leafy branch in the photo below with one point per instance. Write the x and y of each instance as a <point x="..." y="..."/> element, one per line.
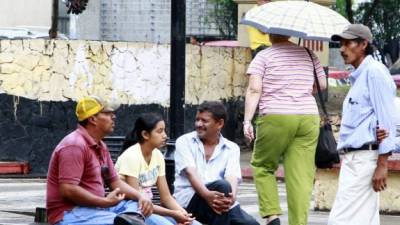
<point x="225" y="17"/>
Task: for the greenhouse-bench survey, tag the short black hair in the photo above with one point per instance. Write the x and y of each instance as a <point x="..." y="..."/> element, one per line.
<point x="84" y="122"/>
<point x="217" y="109"/>
<point x="369" y="49"/>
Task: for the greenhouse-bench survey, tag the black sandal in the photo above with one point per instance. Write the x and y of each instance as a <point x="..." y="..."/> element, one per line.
<point x="275" y="221"/>
<point x="129" y="219"/>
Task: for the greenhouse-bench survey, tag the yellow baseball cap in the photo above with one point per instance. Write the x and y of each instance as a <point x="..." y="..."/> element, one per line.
<point x="91" y="105"/>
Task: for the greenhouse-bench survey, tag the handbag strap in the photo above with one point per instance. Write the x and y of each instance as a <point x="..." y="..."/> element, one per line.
<point x="318" y="86"/>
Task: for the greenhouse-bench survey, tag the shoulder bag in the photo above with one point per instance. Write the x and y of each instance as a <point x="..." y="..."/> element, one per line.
<point x="326" y="154"/>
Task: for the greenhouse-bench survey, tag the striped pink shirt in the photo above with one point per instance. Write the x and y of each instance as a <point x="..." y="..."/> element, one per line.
<point x="287" y="79"/>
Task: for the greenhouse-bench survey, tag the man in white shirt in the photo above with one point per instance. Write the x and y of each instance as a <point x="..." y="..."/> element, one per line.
<point x="368" y="104"/>
<point x="207" y="170"/>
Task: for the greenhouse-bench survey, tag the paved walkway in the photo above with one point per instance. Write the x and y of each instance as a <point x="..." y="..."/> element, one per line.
<point x="23" y="195"/>
<point x="20" y="195"/>
<point x="248" y="198"/>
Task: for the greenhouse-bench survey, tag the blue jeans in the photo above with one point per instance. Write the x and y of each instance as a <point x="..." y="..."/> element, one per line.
<point x="105" y="216"/>
<point x="164" y="220"/>
<point x="155" y="219"/>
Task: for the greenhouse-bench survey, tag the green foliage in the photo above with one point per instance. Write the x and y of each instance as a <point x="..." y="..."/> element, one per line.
<point x="344" y="7"/>
<point x="382" y="16"/>
<point x="225" y="17"/>
<point x="340" y="7"/>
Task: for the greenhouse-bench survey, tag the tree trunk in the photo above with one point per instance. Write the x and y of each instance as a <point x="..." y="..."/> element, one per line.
<point x="349" y="11"/>
<point x="54" y="20"/>
<point x="367" y="20"/>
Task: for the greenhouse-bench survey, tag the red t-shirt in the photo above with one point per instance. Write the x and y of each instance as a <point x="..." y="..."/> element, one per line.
<point x="77" y="160"/>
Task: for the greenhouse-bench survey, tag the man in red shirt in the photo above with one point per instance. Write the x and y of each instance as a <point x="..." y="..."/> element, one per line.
<point x="79" y="168"/>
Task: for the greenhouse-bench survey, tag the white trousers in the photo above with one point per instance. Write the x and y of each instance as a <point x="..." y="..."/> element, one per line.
<point x="356" y="202"/>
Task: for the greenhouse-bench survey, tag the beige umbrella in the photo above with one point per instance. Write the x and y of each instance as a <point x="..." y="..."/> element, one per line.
<point x="301" y="19"/>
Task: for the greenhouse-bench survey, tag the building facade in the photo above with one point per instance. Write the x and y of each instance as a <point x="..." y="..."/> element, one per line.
<point x="140" y="20"/>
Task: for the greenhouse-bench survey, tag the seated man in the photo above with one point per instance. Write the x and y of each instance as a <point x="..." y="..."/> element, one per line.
<point x="79" y="168"/>
<point x="207" y="170"/>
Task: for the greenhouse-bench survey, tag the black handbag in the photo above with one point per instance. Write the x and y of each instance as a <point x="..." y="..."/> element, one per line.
<point x="326" y="154"/>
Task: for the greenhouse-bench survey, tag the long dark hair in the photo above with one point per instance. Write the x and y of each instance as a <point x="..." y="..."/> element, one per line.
<point x="145" y="122"/>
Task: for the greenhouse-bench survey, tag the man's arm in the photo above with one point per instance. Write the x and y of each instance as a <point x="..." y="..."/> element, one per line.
<point x="233" y="173"/>
<point x="71" y="166"/>
<point x="381" y="173"/>
<point x="382" y="98"/>
<point x="210" y="196"/>
<point x="379" y="184"/>
<point x="217" y="200"/>
<point x="129" y="192"/>
<point x="185" y="165"/>
<point x="382" y="95"/>
<point x="82" y="197"/>
<point x="145" y="204"/>
<point x="228" y="201"/>
<point x="234" y="184"/>
<point x="184" y="162"/>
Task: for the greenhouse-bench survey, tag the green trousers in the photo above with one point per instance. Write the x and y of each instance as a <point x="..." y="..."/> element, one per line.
<point x="294" y="139"/>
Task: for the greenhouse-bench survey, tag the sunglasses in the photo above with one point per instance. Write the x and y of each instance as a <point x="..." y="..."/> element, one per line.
<point x="108" y="112"/>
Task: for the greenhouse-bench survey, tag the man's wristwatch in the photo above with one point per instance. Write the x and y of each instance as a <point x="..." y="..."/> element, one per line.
<point x="246" y="122"/>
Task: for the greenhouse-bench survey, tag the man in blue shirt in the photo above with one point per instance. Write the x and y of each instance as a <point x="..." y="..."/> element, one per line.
<point x="207" y="170"/>
<point x="368" y="105"/>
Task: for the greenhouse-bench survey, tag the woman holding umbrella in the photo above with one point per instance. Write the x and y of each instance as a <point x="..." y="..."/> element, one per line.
<point x="281" y="82"/>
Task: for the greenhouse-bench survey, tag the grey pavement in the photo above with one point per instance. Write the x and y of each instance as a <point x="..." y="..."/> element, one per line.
<point x="22" y="196"/>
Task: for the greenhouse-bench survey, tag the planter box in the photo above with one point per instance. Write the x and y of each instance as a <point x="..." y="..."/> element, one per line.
<point x="326" y="181"/>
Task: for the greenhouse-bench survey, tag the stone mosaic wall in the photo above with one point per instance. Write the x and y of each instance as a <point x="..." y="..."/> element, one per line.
<point x="131" y="73"/>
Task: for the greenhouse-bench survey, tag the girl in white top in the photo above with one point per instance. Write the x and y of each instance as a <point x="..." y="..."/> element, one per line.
<point x="142" y="165"/>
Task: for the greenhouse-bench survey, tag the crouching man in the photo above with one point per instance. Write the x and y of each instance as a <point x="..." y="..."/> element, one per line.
<point x="207" y="170"/>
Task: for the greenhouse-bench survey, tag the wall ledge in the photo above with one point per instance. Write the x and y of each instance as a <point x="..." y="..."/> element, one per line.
<point x="14" y="167"/>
